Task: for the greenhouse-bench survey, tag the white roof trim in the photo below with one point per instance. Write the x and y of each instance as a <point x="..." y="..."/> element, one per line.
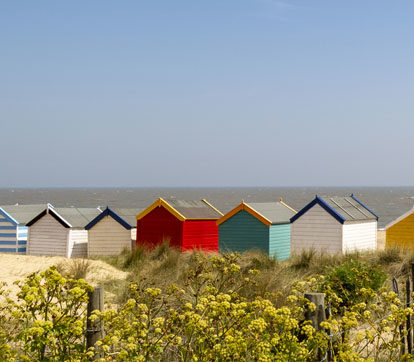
<point x="398" y="219"/>
<point x="11" y="217"/>
<point x="58" y="215"/>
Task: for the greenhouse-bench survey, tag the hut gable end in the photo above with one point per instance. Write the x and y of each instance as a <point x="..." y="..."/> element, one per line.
<point x="108" y="237"/>
<point x="316" y="229"/>
<point x="185" y="224"/>
<point x="157" y="226"/>
<point x="48" y="237"/>
<point x="13" y="232"/>
<point x="243" y="232"/>
<point x="334" y="224"/>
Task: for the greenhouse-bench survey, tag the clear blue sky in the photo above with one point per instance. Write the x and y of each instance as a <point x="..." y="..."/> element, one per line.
<point x="206" y="93"/>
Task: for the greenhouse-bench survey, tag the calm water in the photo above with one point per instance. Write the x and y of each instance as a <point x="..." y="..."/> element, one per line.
<point x="388" y="203"/>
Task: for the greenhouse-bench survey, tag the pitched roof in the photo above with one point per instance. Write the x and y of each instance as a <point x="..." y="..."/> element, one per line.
<point x="342" y="208"/>
<point x="185" y="209"/>
<point x="22" y="214"/>
<point x="129" y="215"/>
<point x="276" y="212"/>
<point x="270" y="213"/>
<point x="70" y="217"/>
<point x="398" y="219"/>
<point x="125" y="217"/>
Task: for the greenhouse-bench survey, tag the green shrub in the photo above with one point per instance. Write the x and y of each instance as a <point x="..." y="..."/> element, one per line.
<point x="348" y="279"/>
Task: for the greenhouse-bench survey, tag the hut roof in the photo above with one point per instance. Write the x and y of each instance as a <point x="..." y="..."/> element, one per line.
<point x="342" y="208"/>
<point x="70" y="217"/>
<point x="270" y="213"/>
<point x="185" y="209"/>
<point x="129" y="215"/>
<point x="398" y="219"/>
<point x="276" y="212"/>
<point x="126" y="217"/>
<point x="22" y="214"/>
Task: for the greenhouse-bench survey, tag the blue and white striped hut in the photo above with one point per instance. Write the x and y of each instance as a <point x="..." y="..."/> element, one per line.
<point x="13" y="229"/>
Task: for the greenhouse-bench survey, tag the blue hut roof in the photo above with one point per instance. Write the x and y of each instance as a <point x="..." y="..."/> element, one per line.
<point x="125" y="217"/>
<point x="347" y="208"/>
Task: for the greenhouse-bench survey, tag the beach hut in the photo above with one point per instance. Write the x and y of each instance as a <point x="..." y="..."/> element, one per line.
<point x="112" y="231"/>
<point x="185" y="224"/>
<point x="400" y="232"/>
<point x="60" y="231"/>
<point x="264" y="226"/>
<point x="13" y="229"/>
<point x="334" y="225"/>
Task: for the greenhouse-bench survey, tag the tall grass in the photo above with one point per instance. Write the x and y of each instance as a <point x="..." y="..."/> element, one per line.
<point x="164" y="266"/>
<point x="76" y="268"/>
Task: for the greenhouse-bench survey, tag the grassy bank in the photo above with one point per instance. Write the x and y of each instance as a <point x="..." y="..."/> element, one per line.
<point x="196" y="306"/>
<point x="165" y="266"/>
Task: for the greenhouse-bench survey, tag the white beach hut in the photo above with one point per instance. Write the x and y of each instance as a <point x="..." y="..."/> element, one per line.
<point x="334" y="225"/>
<point x="112" y="231"/>
<point x="13" y="229"/>
<point x="60" y="231"/>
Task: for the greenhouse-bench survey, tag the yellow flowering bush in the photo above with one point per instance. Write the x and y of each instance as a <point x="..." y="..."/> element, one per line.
<point x="46" y="320"/>
<point x="204" y="318"/>
<point x="207" y="319"/>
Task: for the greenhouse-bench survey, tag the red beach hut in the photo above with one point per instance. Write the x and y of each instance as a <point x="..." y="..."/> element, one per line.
<point x="185" y="224"/>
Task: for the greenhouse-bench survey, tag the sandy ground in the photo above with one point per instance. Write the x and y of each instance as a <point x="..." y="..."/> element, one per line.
<point x="17" y="267"/>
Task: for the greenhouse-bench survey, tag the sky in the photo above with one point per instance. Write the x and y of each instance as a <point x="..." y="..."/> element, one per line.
<point x="203" y="93"/>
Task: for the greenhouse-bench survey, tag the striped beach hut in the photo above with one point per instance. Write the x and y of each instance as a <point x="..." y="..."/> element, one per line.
<point x="399" y="233"/>
<point x="13" y="229"/>
<point x="334" y="225"/>
<point x="112" y="231"/>
<point x="184" y="224"/>
<point x="263" y="225"/>
<point x="60" y="231"/>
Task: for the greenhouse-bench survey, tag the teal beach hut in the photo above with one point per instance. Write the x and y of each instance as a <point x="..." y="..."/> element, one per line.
<point x="264" y="226"/>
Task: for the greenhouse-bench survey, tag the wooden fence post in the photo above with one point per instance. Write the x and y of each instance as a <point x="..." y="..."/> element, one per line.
<point x="328" y="314"/>
<point x="317" y="316"/>
<point x="94" y="330"/>
<point x="408" y="326"/>
<point x="412" y="275"/>
<point x="401" y="327"/>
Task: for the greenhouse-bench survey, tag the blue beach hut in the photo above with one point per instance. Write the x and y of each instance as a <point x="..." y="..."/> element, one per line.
<point x="13" y="229"/>
<point x="264" y="226"/>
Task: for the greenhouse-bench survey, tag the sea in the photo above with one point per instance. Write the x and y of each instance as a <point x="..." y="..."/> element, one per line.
<point x="387" y="202"/>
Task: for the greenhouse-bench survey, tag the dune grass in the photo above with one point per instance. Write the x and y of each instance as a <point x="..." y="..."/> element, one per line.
<point x="76" y="268"/>
<point x="164" y="266"/>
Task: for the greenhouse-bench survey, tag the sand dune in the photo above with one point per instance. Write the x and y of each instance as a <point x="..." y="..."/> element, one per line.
<point x="17" y="267"/>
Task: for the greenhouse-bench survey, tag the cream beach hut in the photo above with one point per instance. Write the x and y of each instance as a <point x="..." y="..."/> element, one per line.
<point x="60" y="231"/>
<point x="13" y="229"/>
<point x="334" y="225"/>
<point x="112" y="231"/>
